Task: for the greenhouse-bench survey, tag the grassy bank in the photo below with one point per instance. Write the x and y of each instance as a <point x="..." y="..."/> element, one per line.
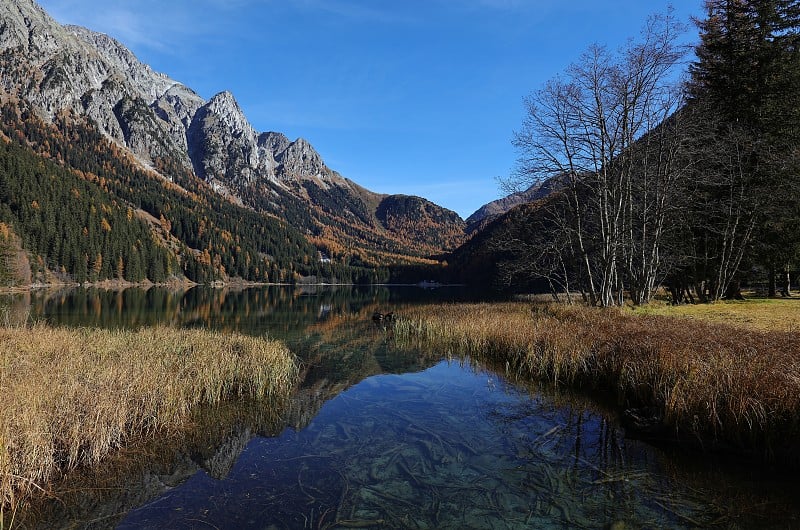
<point x="70" y="396"/>
<point x="764" y="314"/>
<point x="735" y="385"/>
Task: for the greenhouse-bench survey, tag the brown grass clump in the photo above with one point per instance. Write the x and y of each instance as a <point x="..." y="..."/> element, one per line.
<point x="70" y="396"/>
<point x="734" y="385"/>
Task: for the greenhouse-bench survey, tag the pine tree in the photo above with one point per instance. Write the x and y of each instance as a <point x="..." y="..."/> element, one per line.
<point x="747" y="66"/>
<point x="745" y="91"/>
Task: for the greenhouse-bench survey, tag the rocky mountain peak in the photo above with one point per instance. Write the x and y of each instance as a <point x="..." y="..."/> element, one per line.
<point x="148" y="83"/>
<point x="301" y="159"/>
<point x="225" y="107"/>
<point x="26" y="25"/>
<point x="223" y="145"/>
<point x="179" y="103"/>
<point x="275" y="142"/>
<point x="151" y="114"/>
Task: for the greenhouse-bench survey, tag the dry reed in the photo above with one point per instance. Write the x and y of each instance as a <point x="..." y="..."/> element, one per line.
<point x="737" y="386"/>
<point x="70" y="396"/>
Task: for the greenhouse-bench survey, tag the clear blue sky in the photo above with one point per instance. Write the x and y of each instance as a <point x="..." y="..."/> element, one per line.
<point x="402" y="96"/>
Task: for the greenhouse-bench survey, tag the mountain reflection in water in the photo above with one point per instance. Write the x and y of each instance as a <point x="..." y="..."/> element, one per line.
<point x="449" y="447"/>
<point x="380" y="435"/>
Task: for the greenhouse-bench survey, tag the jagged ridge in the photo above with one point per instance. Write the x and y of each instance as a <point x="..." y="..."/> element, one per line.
<point x="58" y="68"/>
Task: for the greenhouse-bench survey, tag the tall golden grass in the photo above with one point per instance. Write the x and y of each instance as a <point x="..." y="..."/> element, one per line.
<point x="717" y="382"/>
<point x="100" y="496"/>
<point x="70" y="396"/>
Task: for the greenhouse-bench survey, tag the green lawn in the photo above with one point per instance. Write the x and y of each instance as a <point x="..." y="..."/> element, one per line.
<point x="765" y="314"/>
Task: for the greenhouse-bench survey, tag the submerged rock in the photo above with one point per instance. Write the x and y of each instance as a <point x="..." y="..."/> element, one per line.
<point x="644" y="424"/>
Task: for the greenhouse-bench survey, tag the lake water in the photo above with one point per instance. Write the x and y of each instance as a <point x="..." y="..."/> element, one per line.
<point x="381" y="435"/>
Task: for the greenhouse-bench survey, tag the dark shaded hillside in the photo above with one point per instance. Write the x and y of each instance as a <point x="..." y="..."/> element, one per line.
<point x="495" y="256"/>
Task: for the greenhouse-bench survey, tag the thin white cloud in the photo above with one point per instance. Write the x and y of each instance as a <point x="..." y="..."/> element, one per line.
<point x="125" y="25"/>
<point x="140" y="23"/>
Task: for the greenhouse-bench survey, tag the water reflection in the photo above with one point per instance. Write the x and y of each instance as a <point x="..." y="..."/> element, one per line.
<point x="445" y="448"/>
<point x="274" y="310"/>
<point x="100" y="497"/>
<point x="383" y="435"/>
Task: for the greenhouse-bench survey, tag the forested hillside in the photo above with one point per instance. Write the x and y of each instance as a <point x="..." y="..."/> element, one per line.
<point x="84" y="209"/>
<point x="416" y="219"/>
<point x="690" y="186"/>
<point x="224" y="200"/>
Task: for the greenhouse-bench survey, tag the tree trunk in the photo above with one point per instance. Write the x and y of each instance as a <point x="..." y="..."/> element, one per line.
<point x="771" y="280"/>
<point x="734" y="290"/>
<point x="786" y="289"/>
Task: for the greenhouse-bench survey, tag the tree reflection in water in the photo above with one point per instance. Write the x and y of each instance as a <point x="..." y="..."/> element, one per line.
<point x="436" y="445"/>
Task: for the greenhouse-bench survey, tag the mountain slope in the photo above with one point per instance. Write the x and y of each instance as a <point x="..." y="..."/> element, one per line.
<point x="417" y="219"/>
<point x="169" y="128"/>
<point x="495" y="209"/>
<point x="85" y="210"/>
<point x="503" y="251"/>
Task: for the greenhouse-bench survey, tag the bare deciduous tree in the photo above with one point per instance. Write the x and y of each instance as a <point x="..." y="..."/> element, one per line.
<point x="602" y="131"/>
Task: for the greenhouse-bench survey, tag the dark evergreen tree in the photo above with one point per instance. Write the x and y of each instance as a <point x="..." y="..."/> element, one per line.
<point x="745" y="95"/>
<point x="86" y="212"/>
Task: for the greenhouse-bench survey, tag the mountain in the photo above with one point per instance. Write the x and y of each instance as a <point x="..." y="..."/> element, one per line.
<point x="165" y="127"/>
<point x="501" y="253"/>
<point x="76" y="207"/>
<point x="417" y="219"/>
<point x="495" y="209"/>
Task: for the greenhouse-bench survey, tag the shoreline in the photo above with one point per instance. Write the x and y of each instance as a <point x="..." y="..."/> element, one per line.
<point x="704" y="386"/>
<point x="73" y="396"/>
<point x="117" y="285"/>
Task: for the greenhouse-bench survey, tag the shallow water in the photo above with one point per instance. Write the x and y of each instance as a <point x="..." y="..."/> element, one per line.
<point x="380" y="435"/>
<point x="449" y="447"/>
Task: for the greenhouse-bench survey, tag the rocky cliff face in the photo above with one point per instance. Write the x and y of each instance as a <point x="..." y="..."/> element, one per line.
<point x="222" y="144"/>
<point x="57" y="68"/>
<point x="69" y="67"/>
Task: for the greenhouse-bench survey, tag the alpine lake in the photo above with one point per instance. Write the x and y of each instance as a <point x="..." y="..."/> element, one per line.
<point x="380" y="434"/>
